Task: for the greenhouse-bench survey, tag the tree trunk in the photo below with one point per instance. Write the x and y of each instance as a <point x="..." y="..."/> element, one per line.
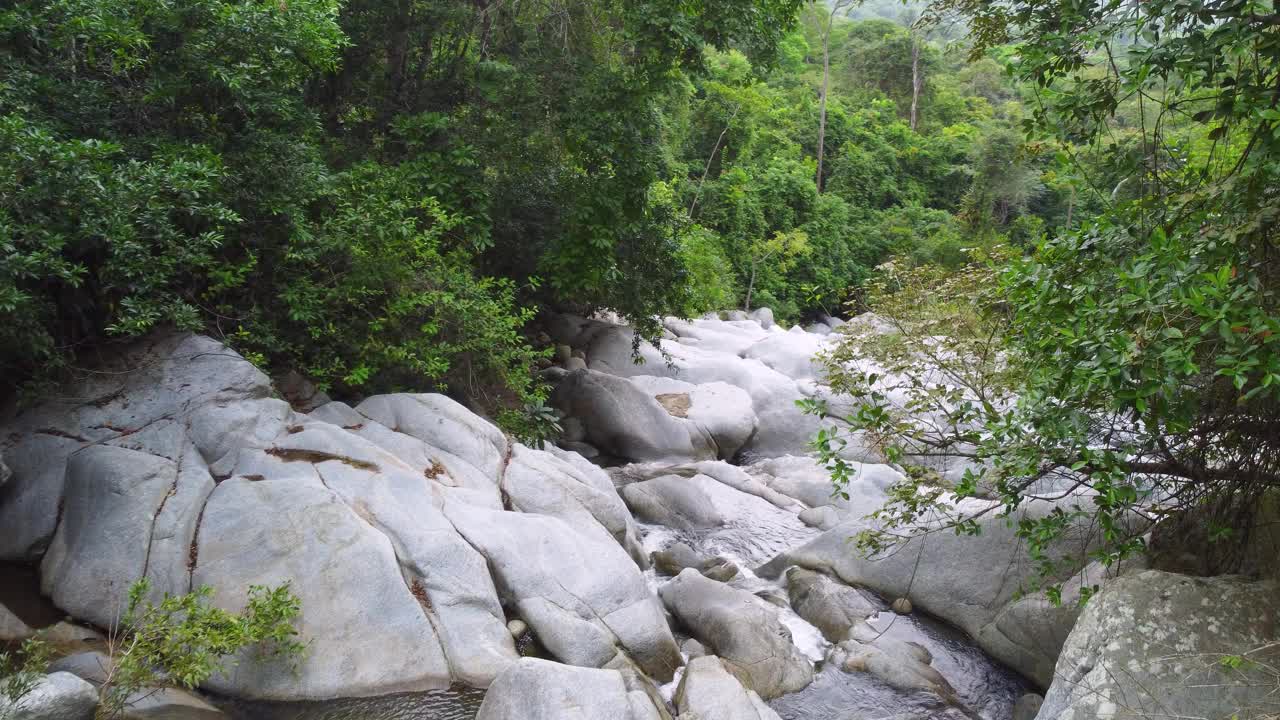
<point x="751" y="284"/>
<point x="826" y="81"/>
<point x="822" y="98"/>
<point x="917" y="80"/>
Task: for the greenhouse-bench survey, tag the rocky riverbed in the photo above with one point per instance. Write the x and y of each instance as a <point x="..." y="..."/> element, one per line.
<point x="679" y="554"/>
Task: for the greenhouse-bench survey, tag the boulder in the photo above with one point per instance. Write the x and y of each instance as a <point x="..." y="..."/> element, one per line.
<point x="781" y="426"/>
<point x="764" y="316"/>
<point x="581" y="594"/>
<point x="902" y="667"/>
<point x="708" y="692"/>
<point x="93" y="666"/>
<point x="168" y="704"/>
<point x="818" y="329"/>
<point x="564" y="485"/>
<point x="112" y="498"/>
<point x="301" y="394"/>
<point x="744" y="631"/>
<point x="137" y="401"/>
<point x="368" y="631"/>
<point x="832" y="607"/>
<point x="719" y="412"/>
<point x="12" y="628"/>
<point x="790" y="353"/>
<point x="622" y="419"/>
<point x="534" y="689"/>
<point x="966" y="580"/>
<point x="441" y="423"/>
<point x="805" y="479"/>
<point x="823" y="518"/>
<point x="674" y="501"/>
<point x="692" y="649"/>
<point x="58" y="696"/>
<point x="1027" y="706"/>
<point x="1179" y="646"/>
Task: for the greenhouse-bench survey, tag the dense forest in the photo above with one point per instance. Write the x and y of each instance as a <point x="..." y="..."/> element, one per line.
<point x="385" y="195"/>
<point x="390" y="208"/>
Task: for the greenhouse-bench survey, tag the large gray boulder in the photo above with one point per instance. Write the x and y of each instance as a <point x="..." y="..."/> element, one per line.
<point x="581" y="594"/>
<point x="781" y="426"/>
<point x="718" y="413"/>
<point x="59" y="696"/>
<point x="832" y="607"/>
<point x="622" y="419"/>
<point x="902" y="666"/>
<point x="563" y="485"/>
<point x="708" y="692"/>
<point x="1167" y="645"/>
<point x="967" y="580"/>
<point x="367" y="629"/>
<point x="742" y="629"/>
<point x="674" y="501"/>
<point x="140" y="400"/>
<point x="535" y="689"/>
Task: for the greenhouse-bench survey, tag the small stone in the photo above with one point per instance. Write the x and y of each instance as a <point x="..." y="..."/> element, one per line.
<point x="563" y="353"/>
<point x="902" y="606"/>
<point x="575" y="363"/>
<point x="517" y="628"/>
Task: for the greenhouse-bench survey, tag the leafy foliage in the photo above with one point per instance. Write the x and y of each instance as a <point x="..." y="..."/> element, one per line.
<point x="184" y="640"/>
<point x="20" y="673"/>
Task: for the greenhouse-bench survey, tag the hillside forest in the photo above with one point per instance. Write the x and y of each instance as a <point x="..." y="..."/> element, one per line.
<point x="385" y="195"/>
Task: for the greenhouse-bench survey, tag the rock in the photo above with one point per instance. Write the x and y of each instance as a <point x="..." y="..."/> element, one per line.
<point x="572" y="431"/>
<point x="58" y="696"/>
<point x="720" y="413"/>
<point x="69" y="635"/>
<point x="12" y="628"/>
<point x="290" y="527"/>
<point x="747" y="635"/>
<point x="517" y="628"/>
<point x="899" y="667"/>
<point x="1162" y="640"/>
<point x="708" y="692"/>
<point x="565" y="486"/>
<point x="790" y="353"/>
<point x="674" y="501"/>
<point x="808" y="481"/>
<point x="823" y="518"/>
<point x="830" y="606"/>
<point x="902" y="606"/>
<point x="113" y="496"/>
<point x="764" y="316"/>
<point x="818" y="329"/>
<point x="563" y="353"/>
<point x="136" y="402"/>
<point x="781" y="426"/>
<point x="588" y="452"/>
<point x="581" y="594"/>
<point x="168" y="704"/>
<point x="692" y="649"/>
<point x="968" y="581"/>
<point x="870" y="322"/>
<point x="719" y="569"/>
<point x="624" y="420"/>
<point x="533" y="689"/>
<point x="1027" y="707"/>
<point x="301" y="394"/>
<point x="737" y="315"/>
<point x="442" y="423"/>
<point x="677" y="557"/>
<point x="831" y="322"/>
<point x="93" y="667"/>
<point x="575" y="363"/>
<point x="5" y="472"/>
